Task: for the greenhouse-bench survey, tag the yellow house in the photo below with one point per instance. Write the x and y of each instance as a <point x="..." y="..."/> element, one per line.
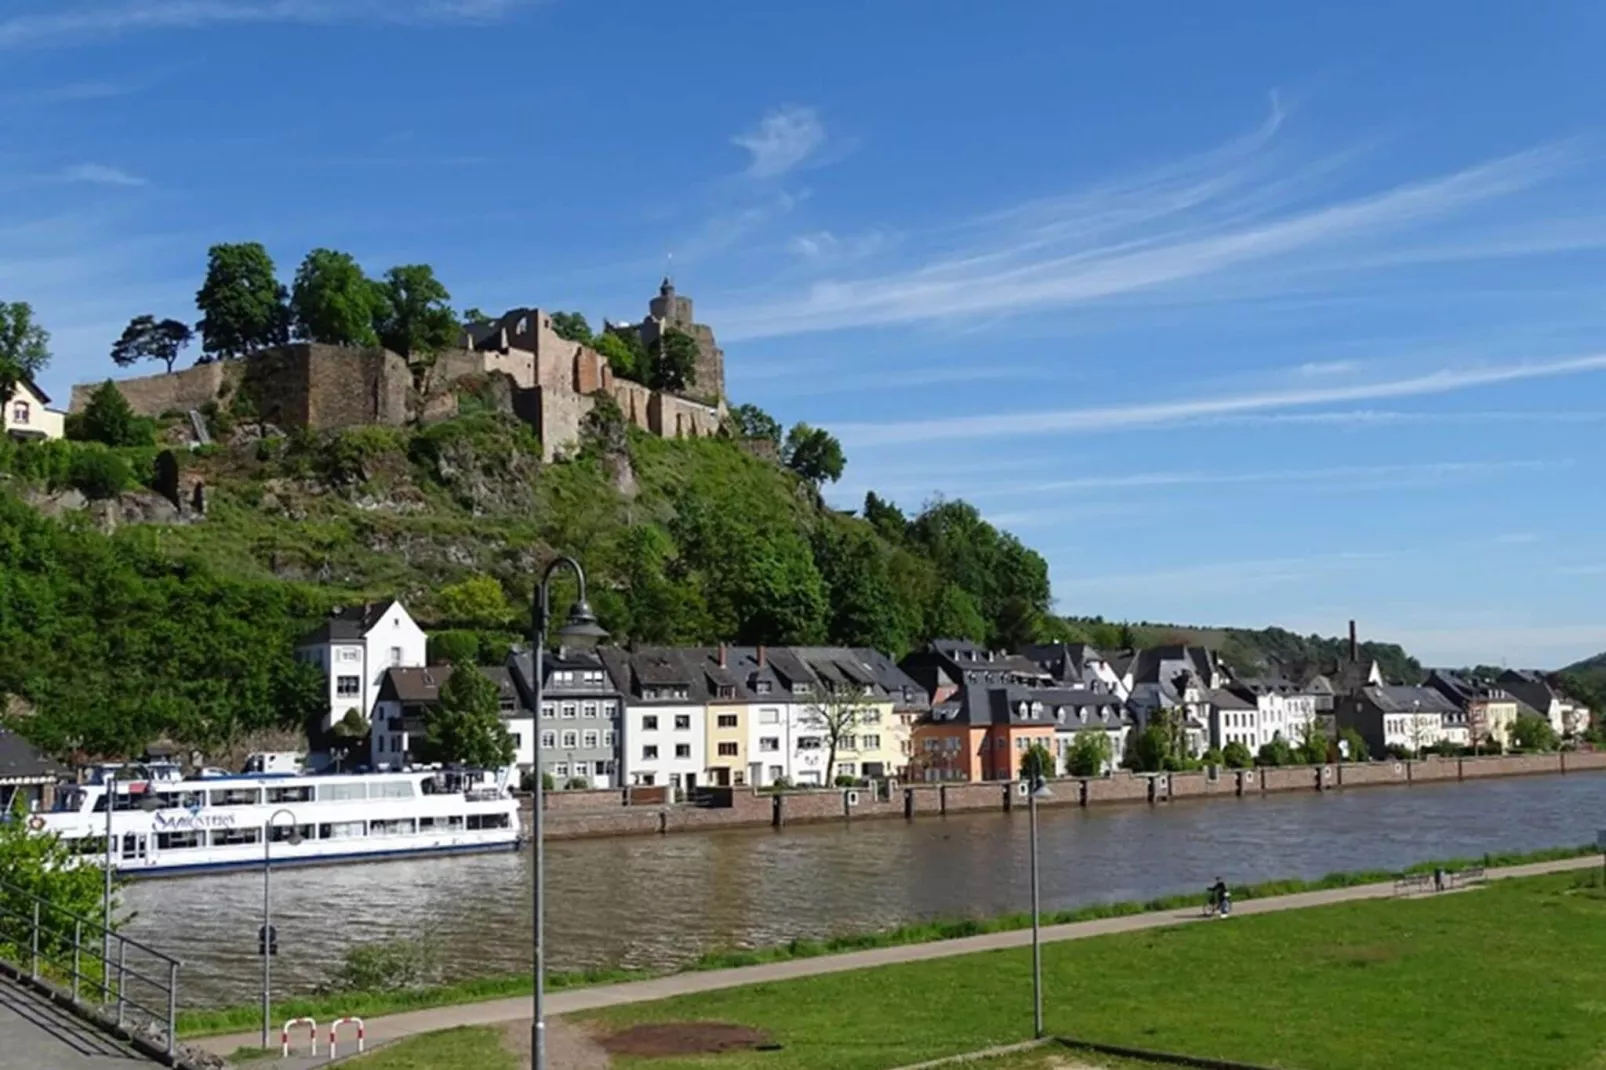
<point x="874" y="742"/>
<point x="28" y="414"/>
<point x="1493" y="715"/>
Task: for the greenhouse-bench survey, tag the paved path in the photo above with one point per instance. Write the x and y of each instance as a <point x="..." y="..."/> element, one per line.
<point x="568" y="1001"/>
<point x="35" y="1034"/>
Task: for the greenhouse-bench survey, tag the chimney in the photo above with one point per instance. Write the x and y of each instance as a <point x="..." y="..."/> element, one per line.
<point x="722" y="655"/>
<point x="761" y="656"/>
<point x="1354" y="646"/>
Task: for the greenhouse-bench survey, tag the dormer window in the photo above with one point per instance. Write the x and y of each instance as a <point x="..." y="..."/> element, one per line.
<point x="762" y="687"/>
<point x="802" y="687"/>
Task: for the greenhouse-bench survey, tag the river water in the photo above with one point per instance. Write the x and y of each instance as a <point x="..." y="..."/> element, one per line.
<point x="657" y="901"/>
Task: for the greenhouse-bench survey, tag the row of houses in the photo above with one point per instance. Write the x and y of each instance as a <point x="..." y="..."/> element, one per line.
<point x="756" y="716"/>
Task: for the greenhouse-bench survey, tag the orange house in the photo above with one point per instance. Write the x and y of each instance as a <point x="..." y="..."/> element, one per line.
<point x="981" y="734"/>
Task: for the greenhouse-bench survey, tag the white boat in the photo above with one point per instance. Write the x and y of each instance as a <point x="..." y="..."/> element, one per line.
<point x="218" y="821"/>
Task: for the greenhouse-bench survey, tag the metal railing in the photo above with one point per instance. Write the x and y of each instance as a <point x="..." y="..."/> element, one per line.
<point x="136" y="985"/>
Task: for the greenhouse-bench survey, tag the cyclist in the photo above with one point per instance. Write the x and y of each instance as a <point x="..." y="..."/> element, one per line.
<point x="1221" y="898"/>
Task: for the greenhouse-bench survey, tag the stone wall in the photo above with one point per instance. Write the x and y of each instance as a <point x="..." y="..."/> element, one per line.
<point x="152" y="395"/>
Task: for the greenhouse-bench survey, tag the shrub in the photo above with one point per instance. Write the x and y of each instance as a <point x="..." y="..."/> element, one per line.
<point x="100" y="474"/>
<point x="451" y="647"/>
<point x="577" y="783"/>
<point x="386" y="966"/>
<point x="1236" y="755"/>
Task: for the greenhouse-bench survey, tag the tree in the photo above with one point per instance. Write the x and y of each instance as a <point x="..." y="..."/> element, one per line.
<point x="1532" y="733"/>
<point x="881" y="514"/>
<point x="41" y="865"/>
<point x="243" y="304"/>
<point x="813" y="453"/>
<point x="414" y="318"/>
<point x="572" y="327"/>
<point x="474" y="315"/>
<point x="866" y="607"/>
<point x="1313" y="746"/>
<point x="108" y="419"/>
<point x="465" y="726"/>
<point x="954" y="616"/>
<point x="1235" y="755"/>
<point x="837" y="716"/>
<point x="348" y="732"/>
<point x="1090" y="754"/>
<point x="673" y="362"/>
<point x="333" y="302"/>
<point x="147" y="339"/>
<point x="625" y="352"/>
<point x="24" y="347"/>
<point x="754" y="422"/>
<point x="478" y="601"/>
<point x="1358" y="751"/>
<point x="1036" y="763"/>
<point x="1163" y="743"/>
<point x="1278" y="752"/>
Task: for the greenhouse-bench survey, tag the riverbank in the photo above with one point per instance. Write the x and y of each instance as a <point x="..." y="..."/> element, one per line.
<point x="593" y="814"/>
<point x="477" y="1002"/>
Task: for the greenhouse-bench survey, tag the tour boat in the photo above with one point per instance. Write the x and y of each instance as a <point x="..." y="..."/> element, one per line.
<point x="166" y="824"/>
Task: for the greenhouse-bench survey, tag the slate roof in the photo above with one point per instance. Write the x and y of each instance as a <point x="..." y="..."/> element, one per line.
<point x="1398" y="699"/>
<point x="1066" y="662"/>
<point x="1224" y="698"/>
<point x="423" y="686"/>
<point x="979" y="706"/>
<point x="348" y="625"/>
<point x="23" y="763"/>
<point x="905" y="692"/>
<point x="1160" y="663"/>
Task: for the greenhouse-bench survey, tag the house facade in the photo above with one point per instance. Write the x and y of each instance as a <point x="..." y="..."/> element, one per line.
<point x="581" y="719"/>
<point x="402" y="710"/>
<point x="1533" y="690"/>
<point x="982" y="733"/>
<point x="1077" y="712"/>
<point x="26" y="772"/>
<point x="665" y="741"/>
<point x="355" y="648"/>
<point x="28" y="414"/>
<point x="1403" y="718"/>
<point x="1283" y="709"/>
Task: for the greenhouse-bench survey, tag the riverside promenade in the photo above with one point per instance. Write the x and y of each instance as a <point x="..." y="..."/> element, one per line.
<point x="499" y="1012"/>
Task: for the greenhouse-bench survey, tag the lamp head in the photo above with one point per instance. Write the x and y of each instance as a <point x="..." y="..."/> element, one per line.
<point x="581" y="629"/>
<point x="295" y="835"/>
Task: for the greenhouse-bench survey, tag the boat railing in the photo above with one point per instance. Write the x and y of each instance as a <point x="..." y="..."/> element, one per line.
<point x="133" y="985"/>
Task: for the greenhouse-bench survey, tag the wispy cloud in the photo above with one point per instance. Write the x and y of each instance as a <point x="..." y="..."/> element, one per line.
<point x="69" y="93"/>
<point x="65" y="22"/>
<point x="1221" y="212"/>
<point x="1117" y="417"/>
<point x="782" y="140"/>
<point x="100" y="175"/>
<point x="1371" y="417"/>
<point x="1317" y="369"/>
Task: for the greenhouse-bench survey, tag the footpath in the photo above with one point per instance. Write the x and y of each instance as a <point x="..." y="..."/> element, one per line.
<point x="569" y="1001"/>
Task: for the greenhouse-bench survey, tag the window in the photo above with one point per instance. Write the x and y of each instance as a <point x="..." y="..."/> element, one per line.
<point x="607" y="737"/>
<point x="727" y="691"/>
<point x="727" y="720"/>
<point x="178" y="841"/>
<point x="769" y="716"/>
<point x="762" y="687"/>
<point x="477" y="822"/>
<point x="571" y="738"/>
<point x="802" y="687"/>
<point x="674" y="781"/>
<point x="649" y="723"/>
<point x="396" y="655"/>
<point x="809" y="743"/>
<point x="776" y="773"/>
<point x="845" y="769"/>
<point x="605" y="768"/>
<point x="236" y="837"/>
<point x="518" y="740"/>
<point x="683" y="750"/>
<point x="548" y="710"/>
<point x="870" y="717"/>
<point x="610" y="709"/>
<point x="549" y="739"/>
<point x="382" y="744"/>
<point x="282" y="833"/>
<point x="299" y="794"/>
<point x="19" y="412"/>
<point x="397" y="827"/>
<point x="589" y="738"/>
<point x="236" y="797"/>
<point x="850" y="742"/>
<point x="871" y="743"/>
<point x="682" y="722"/>
<point x="568" y="710"/>
<point x="588" y="709"/>
<point x="394" y="789"/>
<point x="769" y="743"/>
<point x="649" y="753"/>
<point x="342" y="792"/>
<point x="561" y="769"/>
<point x="348" y="686"/>
<point x="727" y="750"/>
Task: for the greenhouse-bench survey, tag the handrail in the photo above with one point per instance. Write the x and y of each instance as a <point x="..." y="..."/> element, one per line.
<point x="55" y="941"/>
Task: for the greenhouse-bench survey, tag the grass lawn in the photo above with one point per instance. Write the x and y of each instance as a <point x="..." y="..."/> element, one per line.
<point x="1509" y="975"/>
<point x="477" y="1048"/>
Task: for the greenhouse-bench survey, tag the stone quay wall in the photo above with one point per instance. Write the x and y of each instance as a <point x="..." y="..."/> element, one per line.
<point x="621" y="812"/>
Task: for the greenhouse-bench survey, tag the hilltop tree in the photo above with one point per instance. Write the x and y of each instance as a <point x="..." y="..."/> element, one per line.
<point x="243" y="304"/>
<point x="814" y="454"/>
<point x="477" y="602"/>
<point x="673" y="363"/>
<point x="333" y="302"/>
<point x="414" y="318"/>
<point x="627" y="361"/>
<point x="885" y="517"/>
<point x="108" y="419"/>
<point x="474" y="315"/>
<point x="465" y="726"/>
<point x="954" y="616"/>
<point x="571" y="327"/>
<point x="754" y="422"/>
<point x="24" y="347"/>
<point x="146" y="338"/>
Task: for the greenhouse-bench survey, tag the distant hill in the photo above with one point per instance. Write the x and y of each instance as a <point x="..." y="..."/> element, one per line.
<point x="1586" y="681"/>
<point x="1248" y="651"/>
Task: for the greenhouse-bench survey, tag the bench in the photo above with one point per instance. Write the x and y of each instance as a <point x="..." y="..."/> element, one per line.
<point x="1463" y="878"/>
<point x="1417" y="882"/>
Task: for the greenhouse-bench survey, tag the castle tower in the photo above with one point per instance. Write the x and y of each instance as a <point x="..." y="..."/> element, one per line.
<point x="670" y="310"/>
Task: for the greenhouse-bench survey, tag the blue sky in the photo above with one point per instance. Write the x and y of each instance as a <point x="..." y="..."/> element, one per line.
<point x="1288" y="317"/>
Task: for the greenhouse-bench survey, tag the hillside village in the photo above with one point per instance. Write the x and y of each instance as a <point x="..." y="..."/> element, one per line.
<point x="952" y="711"/>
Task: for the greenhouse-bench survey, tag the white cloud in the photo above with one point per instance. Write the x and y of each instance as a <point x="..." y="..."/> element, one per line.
<point x="67" y="22"/>
<point x="1215" y="215"/>
<point x="100" y="175"/>
<point x="1118" y="417"/>
<point x="1317" y="369"/>
<point x="784" y="138"/>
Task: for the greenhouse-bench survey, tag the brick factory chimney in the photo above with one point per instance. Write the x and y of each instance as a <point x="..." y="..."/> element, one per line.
<point x="761" y="656"/>
<point x="722" y="655"/>
<point x="1354" y="645"/>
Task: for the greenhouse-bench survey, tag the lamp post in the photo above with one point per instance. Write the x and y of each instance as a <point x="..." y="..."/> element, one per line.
<point x="1039" y="791"/>
<point x="148" y="804"/>
<point x="268" y="942"/>
<point x="580" y="628"/>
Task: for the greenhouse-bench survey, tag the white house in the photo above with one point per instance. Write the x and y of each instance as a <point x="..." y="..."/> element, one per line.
<point x="1234" y="718"/>
<point x="1283" y="710"/>
<point x="665" y="715"/>
<point x="402" y="707"/>
<point x="785" y="740"/>
<point x="355" y="647"/>
<point x="1080" y="710"/>
<point x="28" y="414"/>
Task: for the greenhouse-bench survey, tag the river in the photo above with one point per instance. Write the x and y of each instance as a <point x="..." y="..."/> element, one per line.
<point x="657" y="901"/>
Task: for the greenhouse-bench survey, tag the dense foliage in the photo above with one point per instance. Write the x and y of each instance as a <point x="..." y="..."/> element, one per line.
<point x="36" y="865"/>
<point x="464" y="727"/>
<point x="24" y="347"/>
<point x="333" y="302"/>
<point x="147" y="338"/>
<point x="243" y="304"/>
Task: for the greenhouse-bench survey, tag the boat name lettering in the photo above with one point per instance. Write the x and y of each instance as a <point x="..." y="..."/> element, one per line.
<point x="169" y="822"/>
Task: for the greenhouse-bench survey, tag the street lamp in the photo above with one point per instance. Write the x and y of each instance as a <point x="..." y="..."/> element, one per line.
<point x="579" y="629"/>
<point x="148" y="803"/>
<point x="1039" y="791"/>
<point x="268" y="942"/>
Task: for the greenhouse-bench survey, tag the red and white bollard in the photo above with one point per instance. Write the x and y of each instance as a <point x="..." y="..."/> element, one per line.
<point x="334" y="1031"/>
<point x="284" y="1036"/>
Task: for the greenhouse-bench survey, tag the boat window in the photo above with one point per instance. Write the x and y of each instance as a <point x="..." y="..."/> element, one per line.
<point x="90" y="845"/>
<point x="178" y="841"/>
<point x="298" y="793"/>
<point x="281" y="833"/>
<point x="343" y="830"/>
<point x="392" y="789"/>
<point x="487" y="821"/>
<point x="342" y="792"/>
<point x="69" y="801"/>
<point x="401" y="827"/>
<point x="233" y="797"/>
<point x="186" y="800"/>
<point x="427" y="824"/>
<point x="236" y="837"/>
<point x="455" y="824"/>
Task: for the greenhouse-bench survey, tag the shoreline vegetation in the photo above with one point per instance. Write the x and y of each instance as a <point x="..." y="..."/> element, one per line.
<point x="366" y="1003"/>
